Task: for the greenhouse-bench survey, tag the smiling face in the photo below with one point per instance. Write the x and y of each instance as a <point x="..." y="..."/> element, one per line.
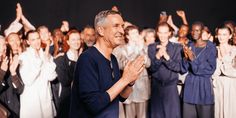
<point x="34" y="40"/>
<point x="133" y="35"/>
<point x="89" y="36"/>
<point x="74" y="41"/>
<point x="224" y="35"/>
<point x="163" y="32"/>
<point x="113" y="31"/>
<point x="196" y="31"/>
<point x="14" y="41"/>
<point x="183" y="31"/>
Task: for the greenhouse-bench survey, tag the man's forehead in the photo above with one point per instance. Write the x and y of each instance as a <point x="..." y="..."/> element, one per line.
<point x="115" y="19"/>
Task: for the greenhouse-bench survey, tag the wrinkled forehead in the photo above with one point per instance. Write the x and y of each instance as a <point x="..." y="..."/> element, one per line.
<point x="114" y="19"/>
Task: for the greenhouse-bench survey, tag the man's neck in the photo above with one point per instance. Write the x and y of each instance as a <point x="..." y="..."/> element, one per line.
<point x="104" y="49"/>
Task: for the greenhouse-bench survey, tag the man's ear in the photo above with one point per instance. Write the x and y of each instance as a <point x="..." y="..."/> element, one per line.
<point x="100" y="30"/>
<point x="27" y="41"/>
<point x="231" y="35"/>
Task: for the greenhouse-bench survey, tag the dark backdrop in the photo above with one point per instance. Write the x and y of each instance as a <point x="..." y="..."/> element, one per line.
<point x="143" y="13"/>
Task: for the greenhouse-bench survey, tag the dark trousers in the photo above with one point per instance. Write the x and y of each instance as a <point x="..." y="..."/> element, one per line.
<point x="198" y="111"/>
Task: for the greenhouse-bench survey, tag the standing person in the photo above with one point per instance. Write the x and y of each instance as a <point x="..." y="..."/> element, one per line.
<point x="3" y="61"/>
<point x="136" y="103"/>
<point x="97" y="85"/>
<point x="224" y="77"/>
<point x="65" y="71"/>
<point x="37" y="69"/>
<point x="88" y="37"/>
<point x="166" y="63"/>
<point x="198" y="96"/>
<point x="13" y="85"/>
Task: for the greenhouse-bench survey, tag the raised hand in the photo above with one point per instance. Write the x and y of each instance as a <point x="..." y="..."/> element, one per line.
<point x="4" y="64"/>
<point x="133" y="69"/>
<point x="159" y="54"/>
<point x="14" y="61"/>
<point x="18" y="11"/>
<point x="189" y="53"/>
<point x="180" y="13"/>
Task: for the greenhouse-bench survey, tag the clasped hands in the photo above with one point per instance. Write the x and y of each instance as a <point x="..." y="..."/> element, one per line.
<point x="133" y="69"/>
<point x="162" y="52"/>
<point x="188" y="53"/>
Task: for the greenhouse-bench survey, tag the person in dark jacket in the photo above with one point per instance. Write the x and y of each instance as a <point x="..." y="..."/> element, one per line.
<point x="198" y="96"/>
<point x="11" y="83"/>
<point x="97" y="85"/>
<point x="166" y="63"/>
<point x="65" y="71"/>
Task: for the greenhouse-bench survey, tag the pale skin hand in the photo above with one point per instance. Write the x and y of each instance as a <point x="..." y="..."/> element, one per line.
<point x="18" y="12"/>
<point x="162" y="52"/>
<point x="4" y="64"/>
<point x="133" y="68"/>
<point x="14" y="64"/>
<point x="27" y="25"/>
<point x="48" y="42"/>
<point x="182" y="15"/>
<point x="131" y="73"/>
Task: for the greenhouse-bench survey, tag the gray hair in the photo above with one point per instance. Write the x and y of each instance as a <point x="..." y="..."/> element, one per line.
<point x="100" y="18"/>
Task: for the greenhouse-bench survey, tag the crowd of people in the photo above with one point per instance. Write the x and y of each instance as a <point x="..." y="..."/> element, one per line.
<point x="117" y="70"/>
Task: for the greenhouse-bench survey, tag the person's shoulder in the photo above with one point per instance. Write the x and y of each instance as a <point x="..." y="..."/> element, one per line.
<point x="211" y="44"/>
<point x="88" y="55"/>
<point x="175" y="44"/>
<point x="60" y="58"/>
<point x="153" y="45"/>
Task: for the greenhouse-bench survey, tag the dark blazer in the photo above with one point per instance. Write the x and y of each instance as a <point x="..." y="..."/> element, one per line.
<point x="65" y="71"/>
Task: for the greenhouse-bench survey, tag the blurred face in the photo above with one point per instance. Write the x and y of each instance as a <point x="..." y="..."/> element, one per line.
<point x="223" y="35"/>
<point x="183" y="31"/>
<point x="89" y="36"/>
<point x="44" y="34"/>
<point x="2" y="47"/>
<point x="14" y="42"/>
<point x="133" y="35"/>
<point x="74" y="41"/>
<point x="205" y="35"/>
<point x="163" y="33"/>
<point x="58" y="34"/>
<point x="113" y="30"/>
<point x="34" y="40"/>
<point x="196" y="32"/>
<point x="150" y="37"/>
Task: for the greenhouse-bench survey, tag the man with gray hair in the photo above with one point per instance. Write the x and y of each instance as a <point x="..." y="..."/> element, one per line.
<point x="98" y="86"/>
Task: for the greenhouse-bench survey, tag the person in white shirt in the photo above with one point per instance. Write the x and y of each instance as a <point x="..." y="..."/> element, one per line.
<point x="37" y="69"/>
